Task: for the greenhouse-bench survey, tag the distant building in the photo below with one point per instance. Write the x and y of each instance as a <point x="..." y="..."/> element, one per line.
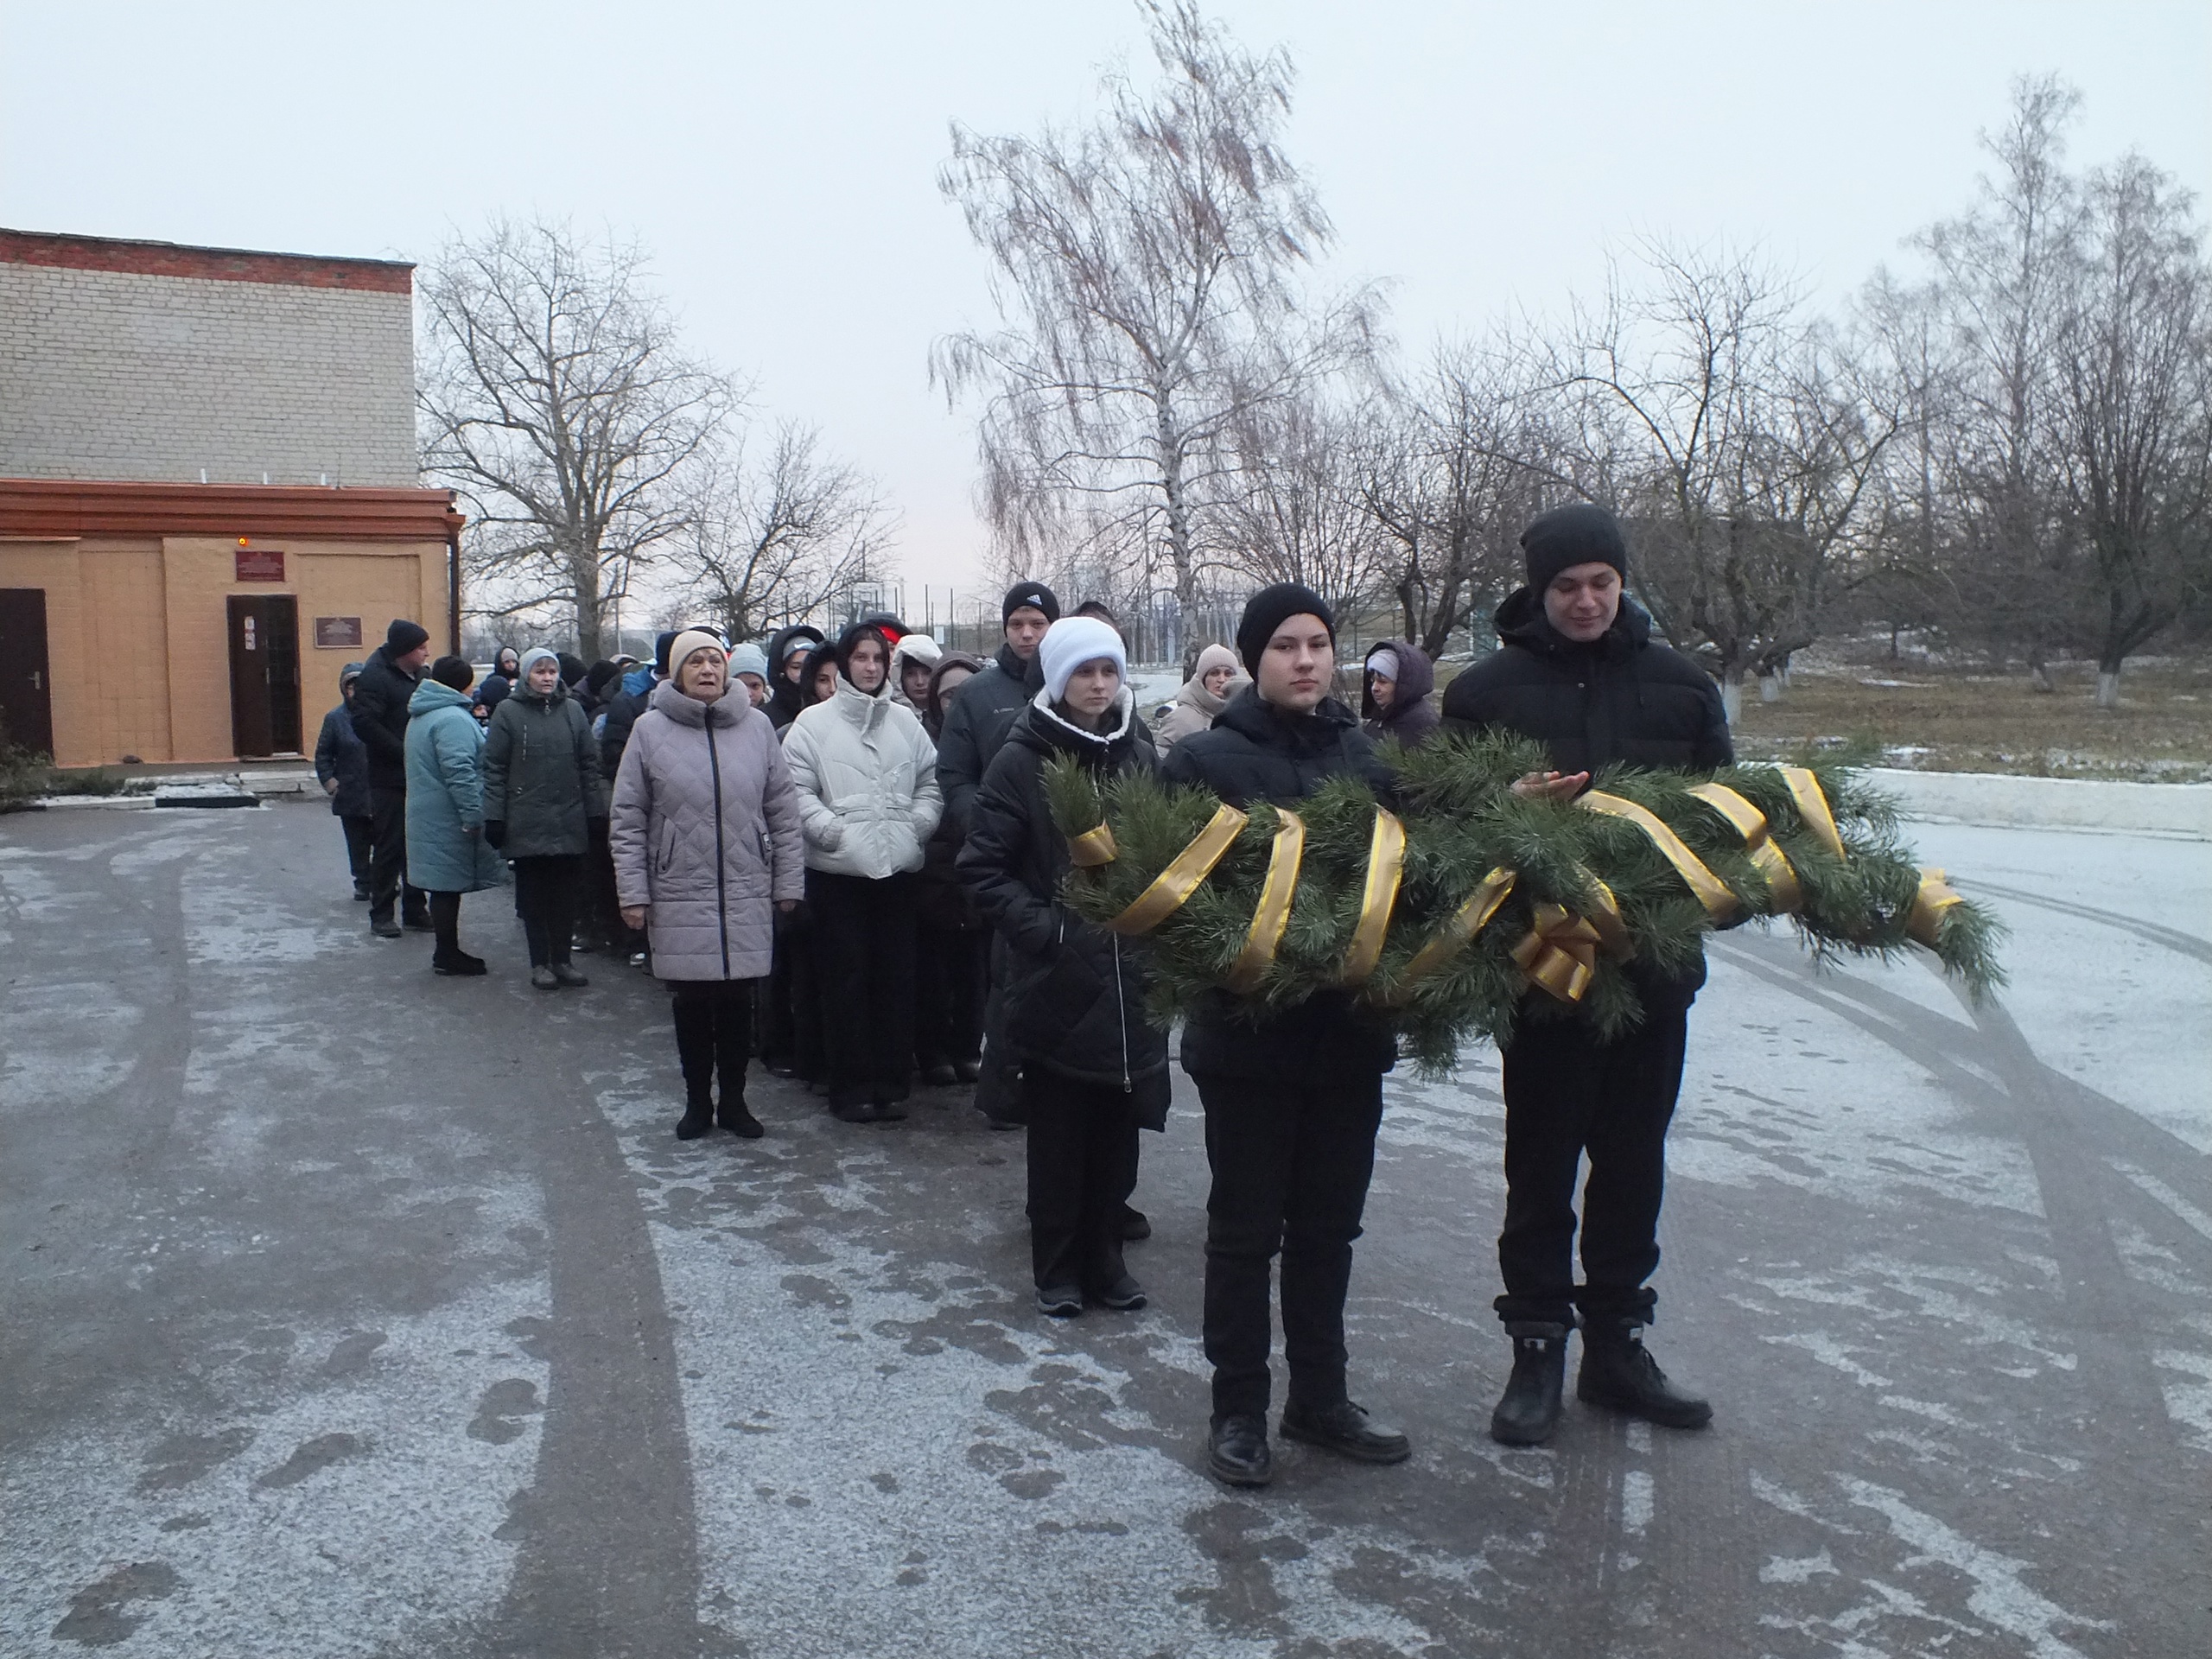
<point x="207" y="493"/>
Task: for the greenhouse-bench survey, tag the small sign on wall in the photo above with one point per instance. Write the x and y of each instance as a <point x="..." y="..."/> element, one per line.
<point x="337" y="632"/>
<point x="260" y="564"/>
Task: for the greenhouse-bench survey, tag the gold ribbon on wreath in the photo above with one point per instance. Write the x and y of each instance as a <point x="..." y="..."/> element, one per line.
<point x="1931" y="900"/>
<point x="1712" y="893"/>
<point x="1766" y="858"/>
<point x="1457" y="934"/>
<point x="1605" y="915"/>
<point x="1386" y="867"/>
<point x="1092" y="848"/>
<point x="1183" y="875"/>
<point x="1560" y="953"/>
<point x="1812" y="807"/>
<point x="1272" y="914"/>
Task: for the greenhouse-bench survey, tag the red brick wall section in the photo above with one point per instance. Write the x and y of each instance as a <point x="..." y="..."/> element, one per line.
<point x="214" y="264"/>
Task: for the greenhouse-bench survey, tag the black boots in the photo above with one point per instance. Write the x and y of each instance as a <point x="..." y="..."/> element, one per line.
<point x="1237" y="1454"/>
<point x="1618" y="1374"/>
<point x="1528" y="1412"/>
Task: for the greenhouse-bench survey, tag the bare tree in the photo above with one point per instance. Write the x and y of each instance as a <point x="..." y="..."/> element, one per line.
<point x="1300" y="515"/>
<point x="1147" y="279"/>
<point x="2131" y="409"/>
<point x="787" y="537"/>
<point x="554" y="399"/>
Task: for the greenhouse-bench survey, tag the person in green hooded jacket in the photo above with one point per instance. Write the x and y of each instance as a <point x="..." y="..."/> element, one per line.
<point x="447" y="854"/>
<point x="541" y="788"/>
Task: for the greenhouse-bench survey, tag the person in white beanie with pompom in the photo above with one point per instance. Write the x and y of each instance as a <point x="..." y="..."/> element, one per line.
<point x="1094" y="1068"/>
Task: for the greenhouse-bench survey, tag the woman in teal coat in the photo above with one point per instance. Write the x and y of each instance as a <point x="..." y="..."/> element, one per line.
<point x="447" y="854"/>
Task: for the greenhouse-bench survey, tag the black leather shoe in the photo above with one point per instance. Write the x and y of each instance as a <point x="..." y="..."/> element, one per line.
<point x="1528" y="1412"/>
<point x="386" y="929"/>
<point x="1237" y="1454"/>
<point x="1124" y="1295"/>
<point x="1618" y="1374"/>
<point x="967" y="1071"/>
<point x="460" y="965"/>
<point x="698" y="1117"/>
<point x="735" y="1116"/>
<point x="1135" y="1225"/>
<point x="1346" y="1429"/>
<point x="565" y="975"/>
<point x="940" y="1076"/>
<point x="854" y="1111"/>
<point x="1059" y="1301"/>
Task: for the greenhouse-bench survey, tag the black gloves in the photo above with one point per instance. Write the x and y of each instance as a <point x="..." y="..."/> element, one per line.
<point x="495" y="832"/>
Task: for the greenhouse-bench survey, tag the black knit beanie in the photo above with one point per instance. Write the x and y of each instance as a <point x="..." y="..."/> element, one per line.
<point x="403" y="636"/>
<point x="661" y="643"/>
<point x="1567" y="536"/>
<point x="573" y="668"/>
<point x="454" y="671"/>
<point x="1034" y="594"/>
<point x="1271" y="607"/>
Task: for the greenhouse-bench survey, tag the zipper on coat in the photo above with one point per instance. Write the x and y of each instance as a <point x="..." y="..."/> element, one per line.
<point x="721" y="872"/>
<point x="1122" y="1004"/>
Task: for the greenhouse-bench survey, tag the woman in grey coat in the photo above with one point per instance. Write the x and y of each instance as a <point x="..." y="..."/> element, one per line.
<point x="708" y="851"/>
<point x="541" y="788"/>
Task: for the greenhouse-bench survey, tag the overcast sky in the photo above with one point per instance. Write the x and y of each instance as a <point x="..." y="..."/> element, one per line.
<point x="780" y="161"/>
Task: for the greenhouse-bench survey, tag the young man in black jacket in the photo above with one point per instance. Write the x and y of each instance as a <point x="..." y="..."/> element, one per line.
<point x="1094" y="1069"/>
<point x="1578" y="669"/>
<point x="380" y="696"/>
<point x="1292" y="1101"/>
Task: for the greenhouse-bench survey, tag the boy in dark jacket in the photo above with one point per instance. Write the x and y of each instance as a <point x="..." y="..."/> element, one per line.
<point x="1578" y="670"/>
<point x="1093" y="1068"/>
<point x="1293" y="1101"/>
<point x="341" y="765"/>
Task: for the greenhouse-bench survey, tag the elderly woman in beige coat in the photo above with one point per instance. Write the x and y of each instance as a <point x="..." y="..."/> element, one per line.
<point x="708" y="848"/>
<point x="1216" y="678"/>
<point x="866" y="772"/>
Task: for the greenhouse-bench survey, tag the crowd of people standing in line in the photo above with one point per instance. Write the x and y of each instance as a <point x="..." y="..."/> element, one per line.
<point x="852" y="836"/>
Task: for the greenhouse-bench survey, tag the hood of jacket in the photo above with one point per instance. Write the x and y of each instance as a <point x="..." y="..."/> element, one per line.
<point x="524" y="694"/>
<point x="1194" y="695"/>
<point x="432" y="695"/>
<point x="1416" y="679"/>
<point x="1521" y="621"/>
<point x="1043" y="728"/>
<point x="639" y="680"/>
<point x="933" y="702"/>
<point x="858" y="707"/>
<point x="724" y="712"/>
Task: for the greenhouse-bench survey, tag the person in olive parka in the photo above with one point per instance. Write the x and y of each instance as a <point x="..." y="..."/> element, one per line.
<point x="1093" y="1067"/>
<point x="541" y="788"/>
<point x="1578" y="670"/>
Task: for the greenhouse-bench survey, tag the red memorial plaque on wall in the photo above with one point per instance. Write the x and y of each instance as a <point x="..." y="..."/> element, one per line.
<point x="337" y="632"/>
<point x="260" y="564"/>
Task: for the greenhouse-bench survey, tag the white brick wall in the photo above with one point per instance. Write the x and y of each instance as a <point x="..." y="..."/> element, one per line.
<point x="109" y="375"/>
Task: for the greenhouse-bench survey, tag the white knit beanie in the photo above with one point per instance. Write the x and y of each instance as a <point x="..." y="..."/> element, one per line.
<point x="1072" y="642"/>
<point x="1384" y="661"/>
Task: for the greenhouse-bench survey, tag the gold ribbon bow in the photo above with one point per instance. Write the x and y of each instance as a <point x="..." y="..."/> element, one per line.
<point x="1272" y="914"/>
<point x="1930" y="900"/>
<point x="1386" y="867"/>
<point x="1812" y="807"/>
<point x="1092" y="848"/>
<point x="1766" y="858"/>
<point x="1560" y="953"/>
<point x="1605" y="915"/>
<point x="1712" y="893"/>
<point x="1175" y="884"/>
<point x="1457" y="934"/>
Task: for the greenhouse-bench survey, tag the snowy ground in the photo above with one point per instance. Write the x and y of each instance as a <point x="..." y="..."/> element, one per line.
<point x="353" y="1311"/>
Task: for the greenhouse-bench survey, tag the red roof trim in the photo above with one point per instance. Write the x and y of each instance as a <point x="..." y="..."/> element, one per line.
<point x="214" y="264"/>
<point x="32" y="508"/>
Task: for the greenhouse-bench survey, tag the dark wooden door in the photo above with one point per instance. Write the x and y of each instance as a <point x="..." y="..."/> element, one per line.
<point x="264" y="675"/>
<point x="26" y="688"/>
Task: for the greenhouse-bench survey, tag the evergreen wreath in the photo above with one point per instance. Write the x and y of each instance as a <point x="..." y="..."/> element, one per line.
<point x="1495" y="895"/>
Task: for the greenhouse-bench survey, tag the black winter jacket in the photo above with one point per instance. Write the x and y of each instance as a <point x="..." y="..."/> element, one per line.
<point x="380" y="699"/>
<point x="1410" y="717"/>
<point x="1256" y="751"/>
<point x="339" y="754"/>
<point x="982" y="716"/>
<point x="1074" y="992"/>
<point x="622" y="712"/>
<point x="1625" y="696"/>
<point x="785" y="699"/>
<point x="541" y="775"/>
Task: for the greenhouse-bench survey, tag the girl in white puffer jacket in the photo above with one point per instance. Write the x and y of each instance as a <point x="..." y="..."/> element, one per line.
<point x="866" y="774"/>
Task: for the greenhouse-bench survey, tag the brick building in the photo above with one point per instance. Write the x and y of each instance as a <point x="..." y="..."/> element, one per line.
<point x="207" y="493"/>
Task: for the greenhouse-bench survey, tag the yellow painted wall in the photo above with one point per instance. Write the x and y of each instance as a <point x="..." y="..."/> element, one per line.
<point x="137" y="633"/>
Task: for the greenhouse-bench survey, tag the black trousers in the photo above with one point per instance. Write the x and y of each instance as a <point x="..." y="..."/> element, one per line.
<point x="792" y="1019"/>
<point x="546" y="891"/>
<point x="360" y="836"/>
<point x="445" y="922"/>
<point x="713" y="1035"/>
<point x="388" y="858"/>
<point x="1291" y="1163"/>
<point x="864" y="973"/>
<point x="1567" y="1094"/>
<point x="952" y="978"/>
<point x="1082" y="1166"/>
<point x="602" y="910"/>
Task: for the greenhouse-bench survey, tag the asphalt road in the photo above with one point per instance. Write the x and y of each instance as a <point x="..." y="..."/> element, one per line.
<point x="351" y="1310"/>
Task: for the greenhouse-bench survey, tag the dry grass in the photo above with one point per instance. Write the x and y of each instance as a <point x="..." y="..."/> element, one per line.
<point x="1938" y="718"/>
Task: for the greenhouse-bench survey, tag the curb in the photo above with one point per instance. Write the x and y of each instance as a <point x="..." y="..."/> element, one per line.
<point x="2002" y="801"/>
